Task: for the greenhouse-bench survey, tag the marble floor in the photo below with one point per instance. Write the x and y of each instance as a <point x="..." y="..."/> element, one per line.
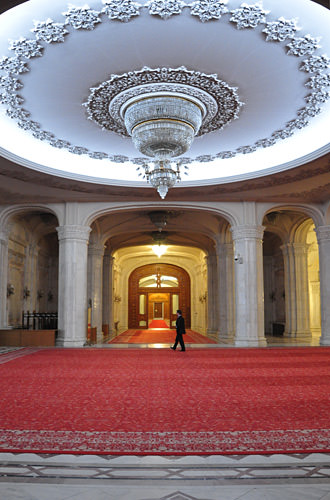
<point x="89" y="477"/>
<point x="272" y="341"/>
<point x="215" y="477"/>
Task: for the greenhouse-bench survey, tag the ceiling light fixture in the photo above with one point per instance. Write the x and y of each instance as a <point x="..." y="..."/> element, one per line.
<point x="162" y="126"/>
<point x="163" y="110"/>
<point x="159" y="249"/>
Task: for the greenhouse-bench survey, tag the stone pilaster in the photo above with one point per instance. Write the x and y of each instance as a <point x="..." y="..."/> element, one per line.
<point x="226" y="291"/>
<point x="4" y="235"/>
<point x="323" y="238"/>
<point x="107" y="309"/>
<point x="249" y="289"/>
<point x="72" y="285"/>
<point x="95" y="274"/>
<point x="302" y="288"/>
<point x="290" y="290"/>
<point x="30" y="282"/>
<point x="212" y="309"/>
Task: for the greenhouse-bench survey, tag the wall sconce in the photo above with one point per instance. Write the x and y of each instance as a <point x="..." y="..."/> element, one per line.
<point x="40" y="294"/>
<point x="203" y="298"/>
<point x="50" y="296"/>
<point x="117" y="298"/>
<point x="272" y="296"/>
<point x="26" y="293"/>
<point x="10" y="289"/>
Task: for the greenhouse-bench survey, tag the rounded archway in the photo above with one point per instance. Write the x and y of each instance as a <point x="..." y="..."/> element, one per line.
<point x="156" y="291"/>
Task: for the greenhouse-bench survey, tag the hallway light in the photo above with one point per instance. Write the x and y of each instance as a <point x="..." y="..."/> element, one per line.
<point x="159" y="250"/>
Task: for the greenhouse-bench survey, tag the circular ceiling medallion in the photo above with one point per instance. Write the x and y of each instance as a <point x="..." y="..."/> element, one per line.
<point x="221" y="102"/>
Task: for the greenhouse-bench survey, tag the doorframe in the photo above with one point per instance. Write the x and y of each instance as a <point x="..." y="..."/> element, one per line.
<point x="134" y="293"/>
<point x="162" y="303"/>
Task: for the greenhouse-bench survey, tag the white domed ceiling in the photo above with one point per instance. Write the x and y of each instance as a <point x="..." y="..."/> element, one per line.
<point x="264" y="68"/>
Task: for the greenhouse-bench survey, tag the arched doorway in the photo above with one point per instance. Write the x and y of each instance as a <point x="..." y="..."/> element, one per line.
<point x="156" y="291"/>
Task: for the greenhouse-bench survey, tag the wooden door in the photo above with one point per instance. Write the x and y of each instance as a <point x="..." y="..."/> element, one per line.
<point x="158" y="310"/>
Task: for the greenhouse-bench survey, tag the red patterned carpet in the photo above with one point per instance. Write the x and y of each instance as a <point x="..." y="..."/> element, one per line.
<point x="156" y="401"/>
<point x="158" y="337"/>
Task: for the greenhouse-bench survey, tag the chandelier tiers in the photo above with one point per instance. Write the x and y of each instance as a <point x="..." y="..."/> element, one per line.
<point x="163" y="110"/>
<point x="162" y="176"/>
<point x="162" y="126"/>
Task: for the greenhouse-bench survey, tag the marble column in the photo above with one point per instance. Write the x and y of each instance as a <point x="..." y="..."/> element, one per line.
<point x="212" y="302"/>
<point x="323" y="238"/>
<point x="226" y="290"/>
<point x="30" y="302"/>
<point x="302" y="288"/>
<point x="95" y="273"/>
<point x="4" y="235"/>
<point x="249" y="287"/>
<point x="72" y="285"/>
<point x="107" y="308"/>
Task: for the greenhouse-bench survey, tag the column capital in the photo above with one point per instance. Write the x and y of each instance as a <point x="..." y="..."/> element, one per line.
<point x="224" y="249"/>
<point x="108" y="258"/>
<point x="96" y="249"/>
<point x="322" y="233"/>
<point x="73" y="232"/>
<point x="249" y="231"/>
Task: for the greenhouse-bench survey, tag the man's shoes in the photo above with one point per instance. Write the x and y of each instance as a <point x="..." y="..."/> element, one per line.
<point x="172" y="348"/>
<point x="182" y="350"/>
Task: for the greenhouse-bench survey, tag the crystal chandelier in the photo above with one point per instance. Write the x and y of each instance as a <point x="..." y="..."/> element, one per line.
<point x="163" y="110"/>
<point x="162" y="126"/>
<point x="162" y="176"/>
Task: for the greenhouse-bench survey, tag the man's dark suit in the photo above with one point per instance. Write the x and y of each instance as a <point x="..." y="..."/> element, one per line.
<point x="180" y="330"/>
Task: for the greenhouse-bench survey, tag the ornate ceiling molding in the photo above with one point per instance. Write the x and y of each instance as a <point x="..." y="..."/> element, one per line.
<point x="83" y="18"/>
<point x="221" y="101"/>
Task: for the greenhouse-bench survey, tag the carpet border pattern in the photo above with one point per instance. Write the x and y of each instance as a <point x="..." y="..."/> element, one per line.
<point x="166" y="443"/>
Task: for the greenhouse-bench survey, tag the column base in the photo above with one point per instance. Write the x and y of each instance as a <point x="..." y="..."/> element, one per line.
<point x="251" y="343"/>
<point x="214" y="336"/>
<point x="226" y="335"/>
<point x="70" y="343"/>
<point x="211" y="332"/>
<point x="324" y="341"/>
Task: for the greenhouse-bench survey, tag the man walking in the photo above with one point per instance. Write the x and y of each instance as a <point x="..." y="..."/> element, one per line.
<point x="180" y="330"/>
